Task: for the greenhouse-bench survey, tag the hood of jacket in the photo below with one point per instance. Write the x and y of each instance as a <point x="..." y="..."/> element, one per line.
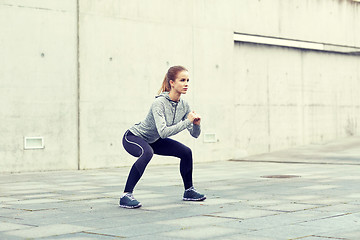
<point x="166" y="95"/>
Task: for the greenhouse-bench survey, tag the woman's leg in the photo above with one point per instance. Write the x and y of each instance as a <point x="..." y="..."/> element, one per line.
<point x="170" y="147"/>
<point x="137" y="147"/>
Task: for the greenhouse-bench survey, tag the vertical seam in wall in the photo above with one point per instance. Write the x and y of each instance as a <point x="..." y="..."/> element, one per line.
<point x="268" y="106"/>
<point x="193" y="62"/>
<point x="193" y="49"/>
<point x="304" y="131"/>
<point x="78" y="80"/>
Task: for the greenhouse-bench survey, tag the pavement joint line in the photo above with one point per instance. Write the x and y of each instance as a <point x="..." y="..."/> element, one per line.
<point x="292" y="162"/>
<point x="301" y="237"/>
<point x="329" y="237"/>
<point x="291" y="211"/>
<point x="64" y="200"/>
<point x="12" y="218"/>
<point x="35" y="210"/>
<point x="29" y="210"/>
<point x="319" y="205"/>
<point x="23" y="224"/>
<point x="215" y="216"/>
<point x="334" y="216"/>
<point x="103" y="234"/>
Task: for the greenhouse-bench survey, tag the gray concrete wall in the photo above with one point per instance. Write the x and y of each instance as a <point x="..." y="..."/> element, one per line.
<point x="255" y="98"/>
<point x="38" y="86"/>
<point x="289" y="97"/>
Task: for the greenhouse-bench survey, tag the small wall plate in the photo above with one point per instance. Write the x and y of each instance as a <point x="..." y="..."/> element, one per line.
<point x="33" y="143"/>
<point x="210" y="138"/>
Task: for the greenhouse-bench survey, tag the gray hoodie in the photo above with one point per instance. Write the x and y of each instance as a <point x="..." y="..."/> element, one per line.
<point x="165" y="118"/>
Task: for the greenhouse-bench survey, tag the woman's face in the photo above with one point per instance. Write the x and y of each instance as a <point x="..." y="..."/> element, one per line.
<point x="181" y="83"/>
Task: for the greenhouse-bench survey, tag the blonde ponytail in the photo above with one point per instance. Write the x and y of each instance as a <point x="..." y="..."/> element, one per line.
<point x="165" y="87"/>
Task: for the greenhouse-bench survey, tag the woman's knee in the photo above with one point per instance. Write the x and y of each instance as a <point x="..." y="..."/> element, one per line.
<point x="144" y="159"/>
<point x="186" y="152"/>
<point x="148" y="153"/>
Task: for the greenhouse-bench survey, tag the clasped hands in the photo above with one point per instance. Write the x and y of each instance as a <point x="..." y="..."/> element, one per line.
<point x="194" y="118"/>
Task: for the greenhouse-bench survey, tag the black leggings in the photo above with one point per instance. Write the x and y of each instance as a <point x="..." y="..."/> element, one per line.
<point x="138" y="147"/>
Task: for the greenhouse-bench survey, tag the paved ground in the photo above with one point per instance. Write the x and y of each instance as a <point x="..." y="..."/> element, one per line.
<point x="322" y="202"/>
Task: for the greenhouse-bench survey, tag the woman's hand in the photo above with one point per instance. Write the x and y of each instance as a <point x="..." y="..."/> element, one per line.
<point x="197" y="119"/>
<point x="194" y="118"/>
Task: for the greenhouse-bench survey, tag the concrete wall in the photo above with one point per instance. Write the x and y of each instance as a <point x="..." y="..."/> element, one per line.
<point x="38" y="86"/>
<point x="255" y="98"/>
<point x="289" y="97"/>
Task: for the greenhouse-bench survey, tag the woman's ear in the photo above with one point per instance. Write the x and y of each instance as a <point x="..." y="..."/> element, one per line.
<point x="171" y="83"/>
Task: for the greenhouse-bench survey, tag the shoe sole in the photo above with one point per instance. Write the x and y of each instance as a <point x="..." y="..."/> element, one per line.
<point x="130" y="207"/>
<point x="194" y="199"/>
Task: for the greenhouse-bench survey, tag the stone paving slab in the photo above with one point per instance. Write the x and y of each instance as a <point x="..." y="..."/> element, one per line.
<point x="339" y="151"/>
<point x="47" y="230"/>
<point x="322" y="202"/>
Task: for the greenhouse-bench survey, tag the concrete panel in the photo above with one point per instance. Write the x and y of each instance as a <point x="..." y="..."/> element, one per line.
<point x="348" y="121"/>
<point x="284" y="76"/>
<point x="286" y="127"/>
<point x="212" y="90"/>
<point x="252" y="130"/>
<point x="304" y="20"/>
<point x="320" y="124"/>
<point x="214" y="14"/>
<point x="38" y="85"/>
<point x="251" y="73"/>
<point x="257" y="17"/>
<point x="169" y="12"/>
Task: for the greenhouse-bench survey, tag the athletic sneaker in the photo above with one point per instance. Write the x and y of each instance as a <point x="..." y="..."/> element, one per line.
<point x="192" y="195"/>
<point x="128" y="201"/>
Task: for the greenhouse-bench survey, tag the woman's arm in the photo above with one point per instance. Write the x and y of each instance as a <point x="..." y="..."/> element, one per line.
<point x="194" y="129"/>
<point x="164" y="131"/>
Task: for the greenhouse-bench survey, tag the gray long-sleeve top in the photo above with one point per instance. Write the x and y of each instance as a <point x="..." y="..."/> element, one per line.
<point x="165" y="118"/>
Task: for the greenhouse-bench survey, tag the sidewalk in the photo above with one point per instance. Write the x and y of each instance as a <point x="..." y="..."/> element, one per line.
<point x="309" y="193"/>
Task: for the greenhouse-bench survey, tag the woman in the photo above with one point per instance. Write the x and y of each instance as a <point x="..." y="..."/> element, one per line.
<point x="168" y="115"/>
